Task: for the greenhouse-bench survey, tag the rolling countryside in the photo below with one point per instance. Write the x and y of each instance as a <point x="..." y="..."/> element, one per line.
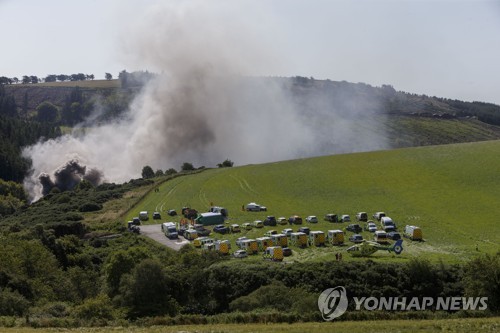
<point x="449" y="191"/>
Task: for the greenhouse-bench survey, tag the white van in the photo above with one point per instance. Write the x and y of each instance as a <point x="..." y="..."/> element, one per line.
<point x="381" y="237"/>
<point x="144" y="215"/>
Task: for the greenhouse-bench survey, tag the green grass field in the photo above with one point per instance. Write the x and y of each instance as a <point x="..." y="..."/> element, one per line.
<point x="469" y="325"/>
<point x="450" y="191"/>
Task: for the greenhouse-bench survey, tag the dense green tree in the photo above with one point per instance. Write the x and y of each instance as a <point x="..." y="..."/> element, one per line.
<point x="482" y="279"/>
<point x="187" y="166"/>
<point x="47" y="112"/>
<point x="170" y="171"/>
<point x="147" y="291"/>
<point x="159" y="173"/>
<point x="108" y="76"/>
<point x="226" y="164"/>
<point x="147" y="172"/>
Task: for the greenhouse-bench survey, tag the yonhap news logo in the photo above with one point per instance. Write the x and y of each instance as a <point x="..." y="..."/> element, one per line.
<point x="333" y="303"/>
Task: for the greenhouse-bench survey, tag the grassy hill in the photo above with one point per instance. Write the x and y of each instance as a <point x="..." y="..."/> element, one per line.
<point x="450" y="191"/>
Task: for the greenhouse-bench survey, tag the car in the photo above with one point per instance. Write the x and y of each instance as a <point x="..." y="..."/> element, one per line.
<point x="305" y="230"/>
<point x="263" y="208"/>
<point x="354" y="228"/>
<point x="201" y="230"/>
<point x="247" y="226"/>
<point x="221" y="229"/>
<point x="282" y="220"/>
<point x="345" y="218"/>
<point x="136" y="221"/>
<point x="235" y="228"/>
<point x="287" y="251"/>
<point x="362" y="216"/>
<point x="295" y="219"/>
<point x="156" y="216"/>
<point x="239" y="241"/>
<point x="378" y="215"/>
<point x="331" y="218"/>
<point x="387" y="224"/>
<point x="287" y="232"/>
<point x="171" y="212"/>
<point x="380" y="237"/>
<point x="371" y="227"/>
<point x="394" y="235"/>
<point x="270" y="221"/>
<point x="271" y="232"/>
<point x="356" y="238"/>
<point x="312" y="219"/>
<point x="240" y="254"/>
<point x="258" y="224"/>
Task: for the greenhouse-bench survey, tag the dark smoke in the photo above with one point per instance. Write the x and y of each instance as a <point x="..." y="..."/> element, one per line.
<point x="68" y="177"/>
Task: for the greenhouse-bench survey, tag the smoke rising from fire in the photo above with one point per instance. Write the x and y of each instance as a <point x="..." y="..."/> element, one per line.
<point x="205" y="107"/>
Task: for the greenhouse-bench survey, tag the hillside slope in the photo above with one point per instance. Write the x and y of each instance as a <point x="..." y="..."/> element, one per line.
<point x="450" y="191"/>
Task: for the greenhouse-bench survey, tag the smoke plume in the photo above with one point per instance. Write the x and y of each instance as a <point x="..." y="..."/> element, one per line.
<point x="206" y="107"/>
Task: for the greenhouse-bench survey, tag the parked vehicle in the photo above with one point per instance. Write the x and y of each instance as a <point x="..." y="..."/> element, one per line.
<point x="143" y="215"/>
<point x="240" y="254"/>
<point x="170" y="230"/>
<point x="312" y="219"/>
<point x="394" y="235"/>
<point x="136" y="221"/>
<point x="282" y="220"/>
<point x="258" y="224"/>
<point x="371" y="227"/>
<point x="253" y="207"/>
<point x="239" y="241"/>
<point x="221" y="210"/>
<point x="287" y="232"/>
<point x="171" y="212"/>
<point x="271" y="232"/>
<point x="317" y="238"/>
<point x="335" y="237"/>
<point x="345" y="218"/>
<point x="280" y="239"/>
<point x="298" y="239"/>
<point x="234" y="228"/>
<point x="331" y="218"/>
<point x="264" y="242"/>
<point x="381" y="237"/>
<point x="190" y="234"/>
<point x="222" y="246"/>
<point x="201" y="230"/>
<point x="413" y="232"/>
<point x="189" y="213"/>
<point x="210" y="219"/>
<point x="270" y="221"/>
<point x="387" y="224"/>
<point x="362" y="217"/>
<point x="247" y="226"/>
<point x="287" y="252"/>
<point x="354" y="228"/>
<point x="200" y="241"/>
<point x="305" y="230"/>
<point x="274" y="253"/>
<point x="250" y="245"/>
<point x="295" y="219"/>
<point x="221" y="229"/>
<point x="356" y="238"/>
<point x="156" y="216"/>
<point x="378" y="215"/>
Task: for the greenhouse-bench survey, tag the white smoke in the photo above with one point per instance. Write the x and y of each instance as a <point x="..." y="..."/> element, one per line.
<point x="205" y="108"/>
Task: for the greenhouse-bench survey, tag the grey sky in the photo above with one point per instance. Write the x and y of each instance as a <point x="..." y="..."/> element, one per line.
<point x="442" y="48"/>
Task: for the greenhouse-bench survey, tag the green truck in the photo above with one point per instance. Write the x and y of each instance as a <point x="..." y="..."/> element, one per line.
<point x="210" y="219"/>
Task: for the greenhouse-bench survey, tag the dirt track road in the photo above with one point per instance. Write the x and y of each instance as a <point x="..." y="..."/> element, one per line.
<point x="154" y="232"/>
